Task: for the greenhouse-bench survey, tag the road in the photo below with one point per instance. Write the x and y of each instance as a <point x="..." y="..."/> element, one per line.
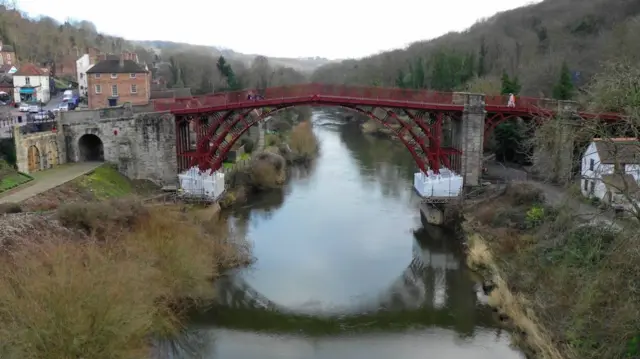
<point x="46" y="180"/>
<point x="13" y="113"/>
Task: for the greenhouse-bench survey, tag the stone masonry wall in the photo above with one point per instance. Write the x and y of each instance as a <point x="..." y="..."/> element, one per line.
<point x="142" y="145"/>
<point x="471" y="133"/>
<point x="47" y="146"/>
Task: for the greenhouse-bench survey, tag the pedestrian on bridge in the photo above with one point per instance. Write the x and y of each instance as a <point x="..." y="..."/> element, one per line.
<point x="512" y="101"/>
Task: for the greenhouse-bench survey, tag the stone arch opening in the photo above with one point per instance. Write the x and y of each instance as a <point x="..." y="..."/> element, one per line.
<point x="33" y="156"/>
<point x="91" y="148"/>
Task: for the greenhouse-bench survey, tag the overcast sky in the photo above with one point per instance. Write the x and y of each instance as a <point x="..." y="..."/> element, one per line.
<point x="287" y="28"/>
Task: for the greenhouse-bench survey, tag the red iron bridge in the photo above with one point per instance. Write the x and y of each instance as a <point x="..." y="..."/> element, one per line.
<point x="436" y="127"/>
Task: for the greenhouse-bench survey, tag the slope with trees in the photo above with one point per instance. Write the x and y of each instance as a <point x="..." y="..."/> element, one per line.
<point x="531" y="43"/>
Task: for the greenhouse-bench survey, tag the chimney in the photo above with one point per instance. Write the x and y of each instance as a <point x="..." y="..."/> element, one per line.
<point x="121" y="61"/>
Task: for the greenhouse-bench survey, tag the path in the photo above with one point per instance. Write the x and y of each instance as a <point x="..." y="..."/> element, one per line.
<point x="46" y="180"/>
<point x="555" y="196"/>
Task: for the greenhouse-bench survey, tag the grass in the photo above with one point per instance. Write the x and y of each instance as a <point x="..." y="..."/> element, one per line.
<point x="303" y="142"/>
<point x="105" y="182"/>
<point x="104" y="288"/>
<point x="13" y="180"/>
<point x="578" y="280"/>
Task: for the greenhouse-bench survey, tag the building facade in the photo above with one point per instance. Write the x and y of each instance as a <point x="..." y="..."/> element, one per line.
<point x="83" y="64"/>
<point x="31" y="84"/>
<point x="117" y="81"/>
<point x="7" y="55"/>
<point x="610" y="170"/>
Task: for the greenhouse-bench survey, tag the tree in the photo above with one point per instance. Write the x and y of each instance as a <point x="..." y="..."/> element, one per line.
<point x="400" y="79"/>
<point x="482" y="58"/>
<point x="563" y="90"/>
<point x="510" y="86"/>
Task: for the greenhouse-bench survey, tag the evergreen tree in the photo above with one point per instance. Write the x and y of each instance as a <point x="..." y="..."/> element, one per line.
<point x="400" y="79"/>
<point x="418" y="75"/>
<point x="510" y="85"/>
<point x="563" y="90"/>
<point x="482" y="58"/>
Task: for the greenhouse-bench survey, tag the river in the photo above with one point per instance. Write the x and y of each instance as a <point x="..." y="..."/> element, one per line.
<point x="344" y="269"/>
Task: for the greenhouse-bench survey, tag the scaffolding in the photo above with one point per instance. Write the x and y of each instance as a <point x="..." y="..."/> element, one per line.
<point x="439" y="187"/>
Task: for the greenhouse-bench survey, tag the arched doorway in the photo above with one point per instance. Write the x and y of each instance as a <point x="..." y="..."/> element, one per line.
<point x="53" y="153"/>
<point x="33" y="158"/>
<point x="91" y="148"/>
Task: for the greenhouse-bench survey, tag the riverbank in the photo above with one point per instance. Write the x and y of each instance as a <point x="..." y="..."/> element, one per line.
<point x="565" y="283"/>
<point x="103" y="276"/>
<point x="293" y="143"/>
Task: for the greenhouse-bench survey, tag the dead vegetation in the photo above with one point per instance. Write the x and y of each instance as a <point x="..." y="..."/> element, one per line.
<point x="577" y="279"/>
<point x="98" y="282"/>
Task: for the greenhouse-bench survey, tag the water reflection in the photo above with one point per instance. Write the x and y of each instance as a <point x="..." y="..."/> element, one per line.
<point x="342" y="271"/>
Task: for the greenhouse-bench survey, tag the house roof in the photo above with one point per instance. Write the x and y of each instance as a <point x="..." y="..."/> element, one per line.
<point x="6" y="80"/>
<point x="5" y="67"/>
<point x="620" y="150"/>
<point x="29" y="70"/>
<point x="113" y="66"/>
<point x="621" y="183"/>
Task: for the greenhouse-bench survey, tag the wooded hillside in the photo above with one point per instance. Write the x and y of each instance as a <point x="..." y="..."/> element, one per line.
<point x="530" y="42"/>
<point x="44" y="40"/>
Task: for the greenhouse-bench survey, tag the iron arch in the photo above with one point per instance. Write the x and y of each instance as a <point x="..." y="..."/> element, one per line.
<point x="212" y="161"/>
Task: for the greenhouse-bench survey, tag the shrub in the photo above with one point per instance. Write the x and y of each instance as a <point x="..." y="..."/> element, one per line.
<point x="99" y="218"/>
<point x="267" y="170"/>
<point x="535" y="215"/>
<point x="303" y="142"/>
<point x="9" y="208"/>
<point x="248" y="144"/>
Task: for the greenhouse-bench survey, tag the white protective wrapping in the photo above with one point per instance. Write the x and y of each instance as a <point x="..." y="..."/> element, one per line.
<point x="445" y="184"/>
<point x="205" y="184"/>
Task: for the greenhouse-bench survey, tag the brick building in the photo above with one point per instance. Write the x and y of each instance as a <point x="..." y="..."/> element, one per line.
<point x="7" y="55"/>
<point x="115" y="81"/>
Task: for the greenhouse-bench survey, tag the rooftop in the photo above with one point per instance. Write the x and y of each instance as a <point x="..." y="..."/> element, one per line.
<point x="618" y="150"/>
<point x="29" y="70"/>
<point x="115" y="66"/>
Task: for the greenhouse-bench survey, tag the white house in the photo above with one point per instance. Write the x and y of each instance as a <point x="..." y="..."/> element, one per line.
<point x="83" y="64"/>
<point x="611" y="168"/>
<point x="31" y="84"/>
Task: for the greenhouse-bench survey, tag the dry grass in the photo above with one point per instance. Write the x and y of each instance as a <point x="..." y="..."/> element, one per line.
<point x="580" y="280"/>
<point x="303" y="142"/>
<point x="69" y="294"/>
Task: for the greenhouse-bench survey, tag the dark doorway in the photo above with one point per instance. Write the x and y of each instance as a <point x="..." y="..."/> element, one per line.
<point x="91" y="148"/>
<point x="113" y="102"/>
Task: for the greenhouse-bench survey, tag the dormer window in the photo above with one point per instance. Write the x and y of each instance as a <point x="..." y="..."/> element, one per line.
<point x="97" y="76"/>
<point x="114" y="76"/>
<point x="133" y="76"/>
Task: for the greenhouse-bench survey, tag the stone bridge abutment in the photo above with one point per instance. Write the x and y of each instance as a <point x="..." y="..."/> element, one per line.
<point x="142" y="145"/>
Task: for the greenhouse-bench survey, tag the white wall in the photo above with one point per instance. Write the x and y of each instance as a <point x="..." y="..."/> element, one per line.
<point x="599" y="170"/>
<point x="83" y="64"/>
<point x="40" y="83"/>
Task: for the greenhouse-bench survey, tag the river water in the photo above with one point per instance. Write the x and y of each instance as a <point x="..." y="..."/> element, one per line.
<point x="345" y="269"/>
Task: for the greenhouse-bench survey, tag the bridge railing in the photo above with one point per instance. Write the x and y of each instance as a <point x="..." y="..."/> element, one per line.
<point x="307" y="91"/>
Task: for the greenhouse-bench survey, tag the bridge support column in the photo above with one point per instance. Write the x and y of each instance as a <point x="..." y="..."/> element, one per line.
<point x="553" y="152"/>
<point x="471" y="132"/>
<point x="432" y="213"/>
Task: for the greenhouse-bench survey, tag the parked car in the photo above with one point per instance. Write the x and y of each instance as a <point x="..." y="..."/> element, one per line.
<point x="44" y="115"/>
<point x="64" y="106"/>
<point x="24" y="107"/>
<point x="34" y="108"/>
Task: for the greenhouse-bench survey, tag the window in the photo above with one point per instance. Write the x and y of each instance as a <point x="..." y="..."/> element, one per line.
<point x="618" y="168"/>
<point x="114" y="76"/>
<point x="114" y="90"/>
<point x="97" y="76"/>
<point x="81" y="75"/>
<point x="98" y="89"/>
<point x="592" y="190"/>
<point x="134" y="88"/>
<point x="586" y="185"/>
<point x="592" y="164"/>
<point x="27" y="81"/>
<point x="133" y="76"/>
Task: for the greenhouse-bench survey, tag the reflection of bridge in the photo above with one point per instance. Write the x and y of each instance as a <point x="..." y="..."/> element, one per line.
<point x="438" y="129"/>
<point x="433" y="290"/>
